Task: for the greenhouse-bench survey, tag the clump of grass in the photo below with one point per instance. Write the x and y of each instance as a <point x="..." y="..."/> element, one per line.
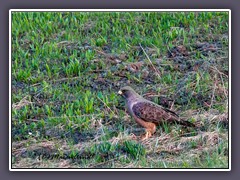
<point x="134" y="149"/>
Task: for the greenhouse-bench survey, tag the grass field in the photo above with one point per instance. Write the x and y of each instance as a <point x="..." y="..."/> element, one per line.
<point x="67" y="68"/>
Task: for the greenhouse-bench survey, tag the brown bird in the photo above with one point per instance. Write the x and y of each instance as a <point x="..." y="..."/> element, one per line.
<point x="148" y="114"/>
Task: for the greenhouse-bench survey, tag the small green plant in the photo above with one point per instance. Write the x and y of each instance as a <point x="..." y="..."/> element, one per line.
<point x="135" y="150"/>
<point x="166" y="127"/>
<point x="88" y="102"/>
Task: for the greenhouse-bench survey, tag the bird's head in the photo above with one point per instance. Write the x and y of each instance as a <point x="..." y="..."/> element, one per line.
<point x="127" y="92"/>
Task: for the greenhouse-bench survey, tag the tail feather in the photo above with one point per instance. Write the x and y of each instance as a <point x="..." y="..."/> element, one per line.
<point x="182" y="121"/>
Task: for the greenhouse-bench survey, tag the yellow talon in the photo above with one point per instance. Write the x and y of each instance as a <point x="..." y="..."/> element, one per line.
<point x="147" y="135"/>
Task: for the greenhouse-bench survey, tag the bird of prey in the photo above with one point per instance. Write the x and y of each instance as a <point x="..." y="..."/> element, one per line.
<point x="147" y="113"/>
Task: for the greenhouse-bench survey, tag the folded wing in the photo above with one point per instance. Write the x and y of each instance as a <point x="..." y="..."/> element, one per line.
<point x="151" y="112"/>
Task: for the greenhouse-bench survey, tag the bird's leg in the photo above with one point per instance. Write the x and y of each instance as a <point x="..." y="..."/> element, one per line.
<point x="151" y="129"/>
<point x="147" y="135"/>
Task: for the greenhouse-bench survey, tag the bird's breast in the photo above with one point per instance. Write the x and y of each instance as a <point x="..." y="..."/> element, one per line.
<point x="130" y="104"/>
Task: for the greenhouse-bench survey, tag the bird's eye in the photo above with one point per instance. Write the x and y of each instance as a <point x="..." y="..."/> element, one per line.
<point x="124" y="91"/>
